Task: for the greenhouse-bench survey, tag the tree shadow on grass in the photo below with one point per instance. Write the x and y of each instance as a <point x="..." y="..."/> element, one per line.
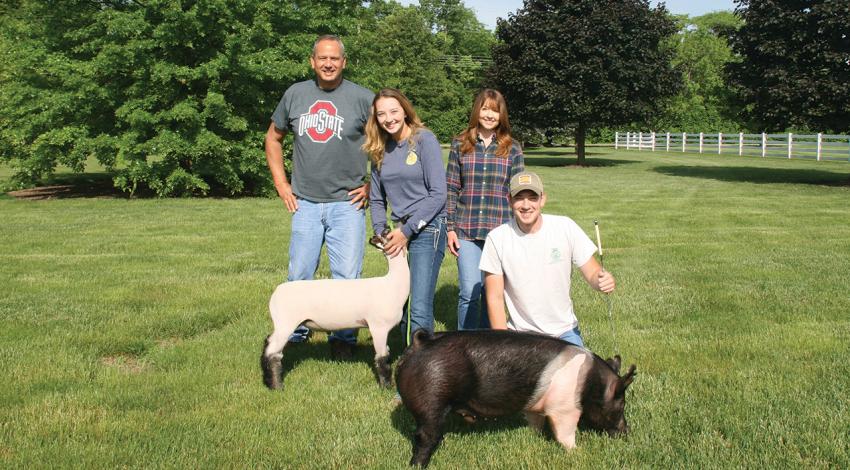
<point x="759" y="175"/>
<point x="72" y="185"/>
<point x="572" y="162"/>
<point x="99" y="186"/>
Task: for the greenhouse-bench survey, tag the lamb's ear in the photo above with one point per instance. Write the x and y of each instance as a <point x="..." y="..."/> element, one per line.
<point x="629" y="377"/>
<point x="615" y="363"/>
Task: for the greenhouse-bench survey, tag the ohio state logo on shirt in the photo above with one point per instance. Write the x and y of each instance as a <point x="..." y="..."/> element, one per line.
<point x="321" y="122"/>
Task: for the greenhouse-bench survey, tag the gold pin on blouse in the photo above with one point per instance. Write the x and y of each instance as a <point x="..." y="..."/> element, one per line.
<point x="411" y="158"/>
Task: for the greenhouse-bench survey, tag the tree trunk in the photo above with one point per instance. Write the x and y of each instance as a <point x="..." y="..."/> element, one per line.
<point x="581" y="131"/>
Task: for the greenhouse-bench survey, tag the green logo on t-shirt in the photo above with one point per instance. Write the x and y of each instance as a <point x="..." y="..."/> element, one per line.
<point x="555" y="255"/>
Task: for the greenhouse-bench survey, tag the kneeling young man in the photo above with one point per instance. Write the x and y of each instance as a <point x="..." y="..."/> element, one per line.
<point x="527" y="264"/>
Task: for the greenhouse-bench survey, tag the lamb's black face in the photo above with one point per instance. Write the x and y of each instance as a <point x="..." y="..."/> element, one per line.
<point x="378" y="241"/>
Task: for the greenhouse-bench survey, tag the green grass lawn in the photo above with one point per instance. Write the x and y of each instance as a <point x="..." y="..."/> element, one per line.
<point x="131" y="329"/>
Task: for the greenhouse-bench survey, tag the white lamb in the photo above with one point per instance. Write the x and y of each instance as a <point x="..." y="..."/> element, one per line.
<point x="334" y="304"/>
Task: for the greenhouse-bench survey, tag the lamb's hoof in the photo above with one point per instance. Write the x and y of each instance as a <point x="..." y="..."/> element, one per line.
<point x="341" y="351"/>
<point x="384" y="372"/>
<point x="272" y="371"/>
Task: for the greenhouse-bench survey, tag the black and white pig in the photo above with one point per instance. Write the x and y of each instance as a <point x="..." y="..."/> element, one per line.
<point x="494" y="373"/>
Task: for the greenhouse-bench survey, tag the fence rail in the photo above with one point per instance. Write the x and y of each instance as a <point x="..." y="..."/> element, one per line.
<point x="808" y="146"/>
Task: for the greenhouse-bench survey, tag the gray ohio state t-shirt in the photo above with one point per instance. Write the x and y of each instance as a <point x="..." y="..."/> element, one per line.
<point x="327" y="127"/>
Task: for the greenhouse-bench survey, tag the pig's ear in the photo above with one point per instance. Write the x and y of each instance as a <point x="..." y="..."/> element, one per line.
<point x="611" y="390"/>
<point x="615" y="363"/>
<point x="629" y="377"/>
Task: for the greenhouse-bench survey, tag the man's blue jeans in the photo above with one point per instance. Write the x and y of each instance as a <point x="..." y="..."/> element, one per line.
<point x="471" y="303"/>
<point x="425" y="255"/>
<point x="341" y="227"/>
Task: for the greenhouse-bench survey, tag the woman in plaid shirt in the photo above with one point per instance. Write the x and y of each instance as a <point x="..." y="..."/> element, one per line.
<point x="481" y="163"/>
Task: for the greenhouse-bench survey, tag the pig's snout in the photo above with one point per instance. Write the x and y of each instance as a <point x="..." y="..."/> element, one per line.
<point x="621" y="429"/>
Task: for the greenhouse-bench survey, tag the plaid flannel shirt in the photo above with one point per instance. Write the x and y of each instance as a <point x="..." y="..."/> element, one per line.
<point x="478" y="184"/>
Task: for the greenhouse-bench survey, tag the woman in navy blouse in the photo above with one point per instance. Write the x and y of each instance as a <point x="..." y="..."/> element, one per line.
<point x="408" y="173"/>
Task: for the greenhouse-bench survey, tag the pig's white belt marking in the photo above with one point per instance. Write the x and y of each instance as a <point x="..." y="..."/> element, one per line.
<point x="558" y="389"/>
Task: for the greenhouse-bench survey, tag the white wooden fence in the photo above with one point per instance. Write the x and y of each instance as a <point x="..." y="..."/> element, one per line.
<point x="809" y="146"/>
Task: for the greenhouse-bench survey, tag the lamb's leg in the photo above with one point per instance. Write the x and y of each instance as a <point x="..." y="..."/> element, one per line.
<point x="383" y="371"/>
<point x="271" y="359"/>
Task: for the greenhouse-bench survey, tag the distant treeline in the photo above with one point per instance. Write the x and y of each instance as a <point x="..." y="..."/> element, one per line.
<point x="174" y="96"/>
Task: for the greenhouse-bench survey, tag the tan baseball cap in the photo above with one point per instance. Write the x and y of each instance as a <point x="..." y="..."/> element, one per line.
<point x="526" y="180"/>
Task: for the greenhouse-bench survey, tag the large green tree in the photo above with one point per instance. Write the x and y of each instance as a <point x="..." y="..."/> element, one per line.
<point x="705" y="102"/>
<point x="174" y="95"/>
<point x="401" y="51"/>
<point x="584" y="63"/>
<point x="795" y="67"/>
<point x="432" y="52"/>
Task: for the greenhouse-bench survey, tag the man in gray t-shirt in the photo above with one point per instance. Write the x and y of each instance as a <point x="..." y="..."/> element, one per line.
<point x="328" y="193"/>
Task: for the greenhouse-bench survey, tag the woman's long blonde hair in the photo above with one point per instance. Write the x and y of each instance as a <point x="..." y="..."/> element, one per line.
<point x="495" y="101"/>
<point x="376" y="136"/>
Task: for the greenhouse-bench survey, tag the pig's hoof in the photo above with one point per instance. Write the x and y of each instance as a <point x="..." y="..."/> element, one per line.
<point x="383" y="372"/>
<point x="467" y="416"/>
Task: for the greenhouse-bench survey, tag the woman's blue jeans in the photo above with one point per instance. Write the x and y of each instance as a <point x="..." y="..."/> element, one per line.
<point x="425" y="255"/>
<point x="341" y="227"/>
<point x="471" y="302"/>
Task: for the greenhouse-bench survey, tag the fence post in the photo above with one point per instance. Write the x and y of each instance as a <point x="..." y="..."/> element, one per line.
<point x="700" y="142"/>
<point x="740" y="143"/>
<point x="684" y="141"/>
<point x="820" y="146"/>
<point x="789" y="145"/>
<point x="616" y="140"/>
<point x="640" y="140"/>
<point x="668" y="142"/>
<point x="719" y="142"/>
<point x="763" y="144"/>
<point x="628" y="139"/>
<point x="652" y="136"/>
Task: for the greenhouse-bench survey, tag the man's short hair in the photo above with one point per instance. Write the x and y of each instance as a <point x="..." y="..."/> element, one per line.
<point x="329" y="37"/>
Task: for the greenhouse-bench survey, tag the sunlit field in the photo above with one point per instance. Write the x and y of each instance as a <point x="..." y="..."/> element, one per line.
<point x="132" y="328"/>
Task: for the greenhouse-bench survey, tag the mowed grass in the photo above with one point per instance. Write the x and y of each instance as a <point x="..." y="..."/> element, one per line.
<point x="131" y="329"/>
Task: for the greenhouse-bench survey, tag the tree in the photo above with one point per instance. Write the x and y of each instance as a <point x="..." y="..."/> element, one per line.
<point x="400" y="51"/>
<point x="584" y="63"/>
<point x="795" y="67"/>
<point x="174" y="95"/>
<point x="430" y="52"/>
<point x="704" y="103"/>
